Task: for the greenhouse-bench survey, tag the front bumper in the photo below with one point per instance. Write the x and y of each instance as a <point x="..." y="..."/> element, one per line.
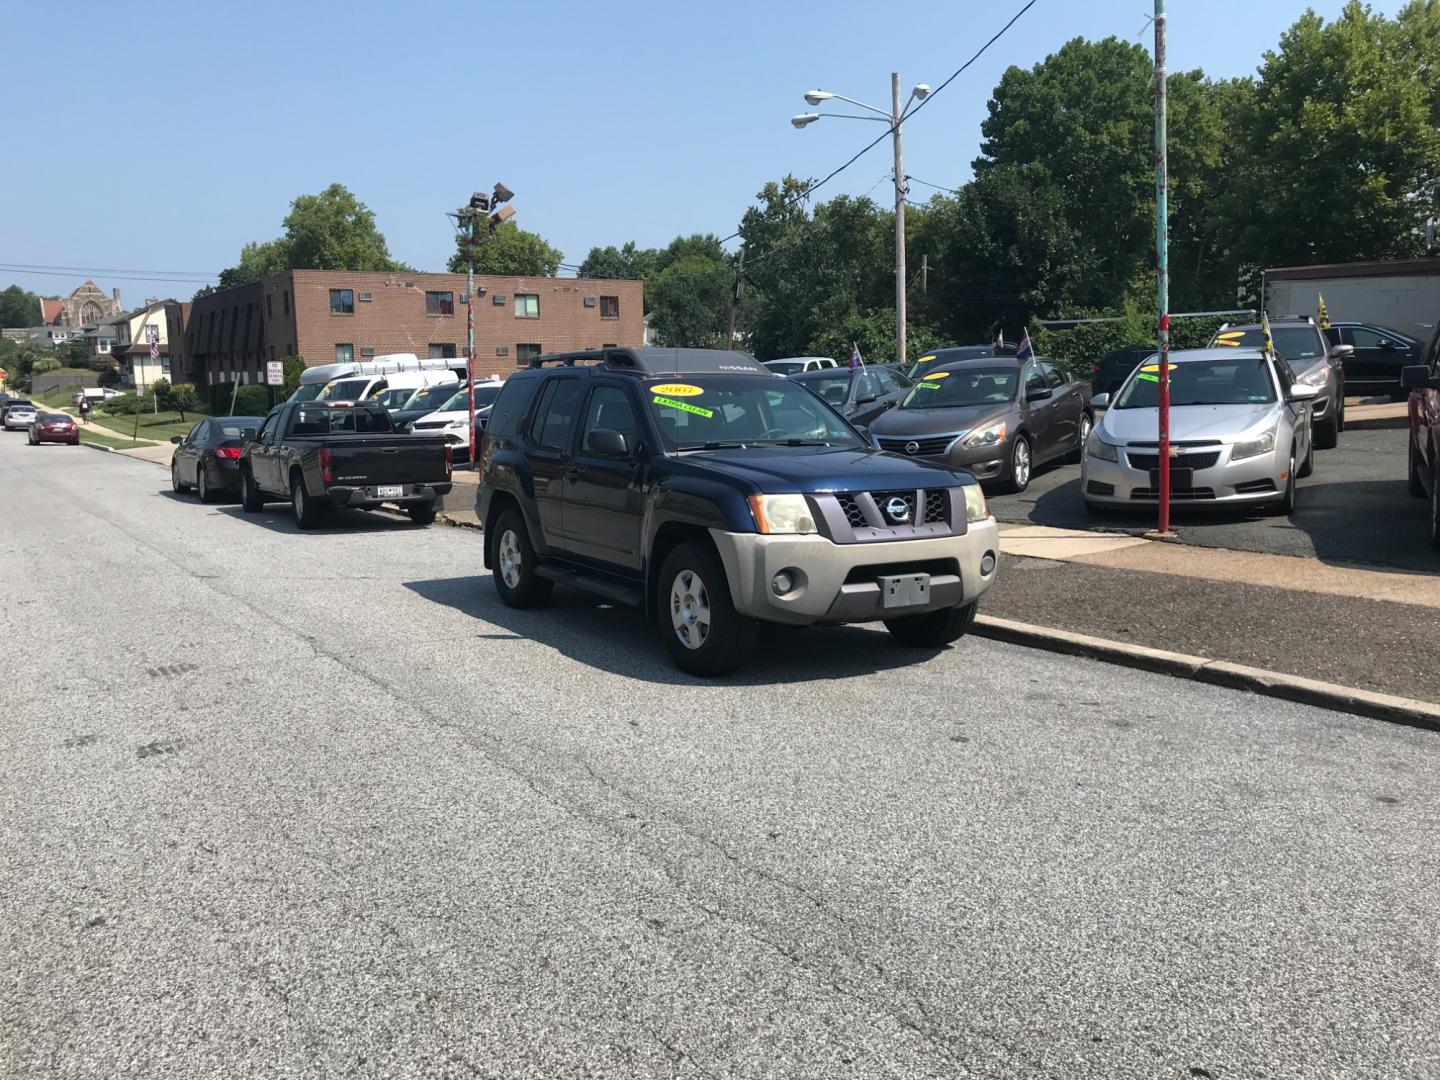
<point x="368" y="498"/>
<point x="1260" y="479"/>
<point x="986" y="462"/>
<point x="835" y="585"/>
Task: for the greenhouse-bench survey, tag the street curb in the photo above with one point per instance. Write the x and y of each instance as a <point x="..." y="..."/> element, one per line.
<point x="456" y="523"/>
<point x="1388" y="707"/>
<point x="1378" y="423"/>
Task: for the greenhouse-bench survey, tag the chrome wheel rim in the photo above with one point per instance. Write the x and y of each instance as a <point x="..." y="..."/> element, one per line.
<point x="690" y="609"/>
<point x="511" y="561"/>
<point x="1084" y="431"/>
<point x="1022" y="463"/>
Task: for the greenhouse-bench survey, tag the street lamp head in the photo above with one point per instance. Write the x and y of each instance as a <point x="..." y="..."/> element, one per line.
<point x="815" y="97"/>
<point x="804" y="118"/>
<point x="921" y="91"/>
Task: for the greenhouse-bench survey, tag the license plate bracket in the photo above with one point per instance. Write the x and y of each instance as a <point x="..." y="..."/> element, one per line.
<point x="904" y="590"/>
<point x="389" y="491"/>
<point x="1180" y="479"/>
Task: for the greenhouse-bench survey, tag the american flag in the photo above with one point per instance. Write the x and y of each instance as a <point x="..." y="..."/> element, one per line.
<point x="153" y="333"/>
<point x="1000" y="341"/>
<point x="855" y="360"/>
<point x="1026" y="351"/>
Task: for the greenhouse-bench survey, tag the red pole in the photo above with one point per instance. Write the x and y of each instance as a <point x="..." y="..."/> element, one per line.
<point x="1162" y="248"/>
<point x="470" y="332"/>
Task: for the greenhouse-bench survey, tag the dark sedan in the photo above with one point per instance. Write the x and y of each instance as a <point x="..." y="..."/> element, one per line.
<point x="937" y="358"/>
<point x="1380" y="354"/>
<point x="997" y="419"/>
<point x="54" y="427"/>
<point x="1109" y="373"/>
<point x="858" y="394"/>
<point x="208" y="458"/>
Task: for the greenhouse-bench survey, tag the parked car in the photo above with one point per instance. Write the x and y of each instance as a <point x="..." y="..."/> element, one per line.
<point x="1313" y="361"/>
<point x="1109" y="373"/>
<point x="1240" y="432"/>
<point x="54" y="427"/>
<point x="17" y="415"/>
<point x="695" y="485"/>
<point x="858" y="394"/>
<point x="94" y="394"/>
<point x="940" y="357"/>
<point x="998" y="418"/>
<point x="452" y="419"/>
<point x="1380" y="355"/>
<point x="793" y="365"/>
<point x="321" y="455"/>
<point x="424" y="402"/>
<point x="1422" y="382"/>
<point x="207" y="457"/>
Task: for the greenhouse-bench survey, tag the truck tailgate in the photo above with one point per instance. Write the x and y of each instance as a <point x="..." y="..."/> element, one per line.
<point x="365" y="460"/>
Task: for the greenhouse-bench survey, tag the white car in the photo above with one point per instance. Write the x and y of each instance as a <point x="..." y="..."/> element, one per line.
<point x="793" y="365"/>
<point x="453" y="418"/>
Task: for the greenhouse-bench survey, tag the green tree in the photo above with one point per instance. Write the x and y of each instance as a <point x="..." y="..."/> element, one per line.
<point x="509" y="250"/>
<point x="183" y="399"/>
<point x="18" y="307"/>
<point x="692" y="303"/>
<point x="629" y="262"/>
<point x="294" y="367"/>
<point x="330" y="231"/>
<point x="874" y="336"/>
<point x="77" y="353"/>
<point x="45" y="364"/>
<point x="163" y="393"/>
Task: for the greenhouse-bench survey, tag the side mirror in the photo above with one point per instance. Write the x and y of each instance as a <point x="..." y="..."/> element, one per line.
<point x="1302" y="392"/>
<point x="1342" y="352"/>
<point x="176" y="439"/>
<point x="1100" y="401"/>
<point x="606" y="443"/>
<point x="1417" y="377"/>
<point x="1039" y="395"/>
<point x="866" y="399"/>
<point x="248" y="434"/>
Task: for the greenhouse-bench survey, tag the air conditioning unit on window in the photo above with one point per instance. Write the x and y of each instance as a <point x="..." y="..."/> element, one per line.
<point x="367" y="352"/>
<point x="498" y="300"/>
<point x="366" y="297"/>
<point x="502" y="350"/>
<point x="589" y="301"/>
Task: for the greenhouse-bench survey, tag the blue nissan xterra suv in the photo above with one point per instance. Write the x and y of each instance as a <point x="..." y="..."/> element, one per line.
<point x="715" y="495"/>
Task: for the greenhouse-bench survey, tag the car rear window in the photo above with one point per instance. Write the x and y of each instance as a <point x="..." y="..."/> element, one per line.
<point x="321" y="421"/>
<point x="555" y="419"/>
<point x="512" y="405"/>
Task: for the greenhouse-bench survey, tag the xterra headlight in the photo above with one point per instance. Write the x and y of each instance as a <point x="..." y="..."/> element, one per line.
<point x="780" y="515"/>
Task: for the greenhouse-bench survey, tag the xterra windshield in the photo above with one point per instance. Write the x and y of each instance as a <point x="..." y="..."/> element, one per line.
<point x="709" y="413"/>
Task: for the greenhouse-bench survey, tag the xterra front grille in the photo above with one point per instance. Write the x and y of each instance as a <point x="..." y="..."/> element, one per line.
<point x="937" y="506"/>
<point x="853" y="513"/>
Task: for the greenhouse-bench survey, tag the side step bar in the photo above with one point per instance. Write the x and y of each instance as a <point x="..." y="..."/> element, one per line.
<point x="600" y="586"/>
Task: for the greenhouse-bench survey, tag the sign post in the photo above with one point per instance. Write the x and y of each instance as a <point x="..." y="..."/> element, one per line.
<point x="274" y="376"/>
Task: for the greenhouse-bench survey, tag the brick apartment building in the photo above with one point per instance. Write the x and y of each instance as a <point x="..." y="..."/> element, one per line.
<point x="327" y="316"/>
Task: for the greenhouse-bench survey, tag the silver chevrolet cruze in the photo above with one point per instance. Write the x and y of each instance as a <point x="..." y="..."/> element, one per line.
<point x="1239" y="433"/>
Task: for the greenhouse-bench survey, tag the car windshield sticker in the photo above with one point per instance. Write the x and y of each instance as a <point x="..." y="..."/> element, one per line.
<point x="938" y="375"/>
<point x="684" y="407"/>
<point x="677" y="390"/>
<point x="926" y="359"/>
<point x="1151" y="372"/>
<point x="1230" y="338"/>
<point x="927" y="386"/>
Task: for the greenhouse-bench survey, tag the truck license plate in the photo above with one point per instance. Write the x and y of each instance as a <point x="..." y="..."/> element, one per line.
<point x="904" y="590"/>
<point x="389" y="491"/>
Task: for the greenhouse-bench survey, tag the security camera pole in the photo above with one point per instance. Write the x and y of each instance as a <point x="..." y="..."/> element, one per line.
<point x="466" y="220"/>
<point x="895" y="117"/>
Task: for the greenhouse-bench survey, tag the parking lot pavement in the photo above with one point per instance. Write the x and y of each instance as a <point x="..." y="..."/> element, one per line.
<point x="1355" y="508"/>
<point x="285" y="804"/>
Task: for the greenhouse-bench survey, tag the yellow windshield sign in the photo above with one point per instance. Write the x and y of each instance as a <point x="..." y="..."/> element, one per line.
<point x="684" y="406"/>
<point x="938" y="375"/>
<point x="677" y="390"/>
<point x="926" y="359"/>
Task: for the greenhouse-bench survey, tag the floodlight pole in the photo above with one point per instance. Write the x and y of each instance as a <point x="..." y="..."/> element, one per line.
<point x="1162" y="253"/>
<point x="470" y="330"/>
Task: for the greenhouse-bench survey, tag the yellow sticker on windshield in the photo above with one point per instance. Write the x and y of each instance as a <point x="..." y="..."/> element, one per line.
<point x="1156" y="367"/>
<point x="938" y="375"/>
<point x="684" y="407"/>
<point x="677" y="390"/>
<point x="926" y="359"/>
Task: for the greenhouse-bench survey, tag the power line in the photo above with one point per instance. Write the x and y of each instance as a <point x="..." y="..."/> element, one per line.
<point x="154" y="274"/>
<point x="108" y="274"/>
<point x="926" y="183"/>
<point x="958" y="71"/>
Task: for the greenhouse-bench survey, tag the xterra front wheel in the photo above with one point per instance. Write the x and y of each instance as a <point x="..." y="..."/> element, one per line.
<point x="703" y="632"/>
<point x="934" y="628"/>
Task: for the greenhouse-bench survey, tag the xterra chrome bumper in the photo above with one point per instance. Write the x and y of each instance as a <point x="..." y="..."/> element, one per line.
<point x="840" y="582"/>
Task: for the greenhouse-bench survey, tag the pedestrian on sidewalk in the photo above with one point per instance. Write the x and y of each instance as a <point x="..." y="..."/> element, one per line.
<point x="85" y="410"/>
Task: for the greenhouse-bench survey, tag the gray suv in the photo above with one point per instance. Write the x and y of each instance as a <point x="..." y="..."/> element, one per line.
<point x="1312" y="360"/>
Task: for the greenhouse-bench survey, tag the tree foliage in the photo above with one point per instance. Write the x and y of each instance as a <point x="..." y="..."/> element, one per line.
<point x="509" y="250"/>
<point x="691" y="304"/>
<point x="183" y="399"/>
<point x="19" y="307"/>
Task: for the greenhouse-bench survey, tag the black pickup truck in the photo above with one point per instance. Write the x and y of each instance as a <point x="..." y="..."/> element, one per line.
<point x="318" y="455"/>
<point x="711" y="493"/>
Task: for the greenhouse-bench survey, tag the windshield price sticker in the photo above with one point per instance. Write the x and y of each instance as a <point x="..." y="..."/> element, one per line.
<point x="1151" y="372"/>
<point x="927" y="386"/>
<point x="677" y="390"/>
<point x="684" y="407"/>
<point x="938" y="375"/>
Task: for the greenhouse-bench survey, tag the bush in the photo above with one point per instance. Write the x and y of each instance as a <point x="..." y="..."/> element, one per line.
<point x="162" y="391"/>
<point x="1080" y="348"/>
<point x="101" y="366"/>
<point x="45" y="365"/>
<point x="124" y="405"/>
<point x="183" y="399"/>
<point x="294" y="367"/>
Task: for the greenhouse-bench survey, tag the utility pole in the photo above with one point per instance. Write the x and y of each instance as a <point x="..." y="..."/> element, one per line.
<point x="925" y="273"/>
<point x="896" y="115"/>
<point x="1162" y="264"/>
<point x="735" y="298"/>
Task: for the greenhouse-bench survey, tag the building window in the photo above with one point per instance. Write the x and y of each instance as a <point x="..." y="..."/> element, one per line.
<point x="344" y="354"/>
<point x="442" y="350"/>
<point x="609" y="307"/>
<point x="165" y="364"/>
<point x="342" y="302"/>
<point x="439" y="303"/>
<point x="525" y="353"/>
<point x="527" y="306"/>
<point x="285" y="300"/>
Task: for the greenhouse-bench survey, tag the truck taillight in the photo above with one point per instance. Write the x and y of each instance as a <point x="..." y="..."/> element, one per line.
<point x="327" y="471"/>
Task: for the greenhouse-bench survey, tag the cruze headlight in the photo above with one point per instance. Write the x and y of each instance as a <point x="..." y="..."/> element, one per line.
<point x="782" y="514"/>
<point x="985" y="436"/>
<point x="975" y="508"/>
<point x="1101" y="450"/>
<point x="1254" y="447"/>
<point x="1318" y="377"/>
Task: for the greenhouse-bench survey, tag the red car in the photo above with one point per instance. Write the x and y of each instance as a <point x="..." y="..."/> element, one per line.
<point x="54" y="427"/>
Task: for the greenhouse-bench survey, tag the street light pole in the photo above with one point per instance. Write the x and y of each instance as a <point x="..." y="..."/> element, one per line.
<point x="896" y="116"/>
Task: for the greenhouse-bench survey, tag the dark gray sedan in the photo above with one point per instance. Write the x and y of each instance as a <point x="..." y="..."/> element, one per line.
<point x="997" y="419"/>
<point x="858" y="394"/>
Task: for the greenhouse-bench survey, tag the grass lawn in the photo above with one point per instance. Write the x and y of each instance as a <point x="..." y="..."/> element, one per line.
<point x="88" y="436"/>
<point x="155" y="426"/>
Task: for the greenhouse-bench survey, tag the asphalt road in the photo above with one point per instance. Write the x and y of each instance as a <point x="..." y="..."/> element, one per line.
<point x="280" y="804"/>
<point x="1354" y="508"/>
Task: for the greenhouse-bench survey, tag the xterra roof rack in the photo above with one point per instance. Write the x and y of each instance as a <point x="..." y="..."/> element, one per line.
<point x="661" y="361"/>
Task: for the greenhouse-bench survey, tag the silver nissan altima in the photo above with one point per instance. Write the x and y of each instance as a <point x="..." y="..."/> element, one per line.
<point x="1239" y="433"/>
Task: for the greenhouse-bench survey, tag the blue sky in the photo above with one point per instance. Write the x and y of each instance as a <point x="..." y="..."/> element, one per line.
<point x="163" y="136"/>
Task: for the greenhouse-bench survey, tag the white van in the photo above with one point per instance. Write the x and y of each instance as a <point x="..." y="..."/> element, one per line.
<point x="368" y="387"/>
<point x="314" y="379"/>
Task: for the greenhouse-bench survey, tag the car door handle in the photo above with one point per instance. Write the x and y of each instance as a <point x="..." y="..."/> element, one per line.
<point x="572" y="473"/>
<point x="389" y="449"/>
